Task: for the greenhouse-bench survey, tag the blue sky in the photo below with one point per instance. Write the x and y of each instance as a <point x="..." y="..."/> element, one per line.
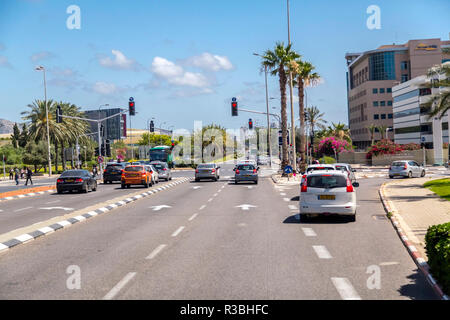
<point x="184" y="60"/>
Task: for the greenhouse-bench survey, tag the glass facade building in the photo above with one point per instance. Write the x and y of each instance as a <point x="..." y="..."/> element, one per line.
<point x="382" y="66"/>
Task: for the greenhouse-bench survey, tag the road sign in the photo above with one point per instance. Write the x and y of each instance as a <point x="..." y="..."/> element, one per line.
<point x="131" y="99"/>
<point x="100" y="159"/>
<point x="233" y="99"/>
<point x="423" y="139"/>
<point x="288" y="169"/>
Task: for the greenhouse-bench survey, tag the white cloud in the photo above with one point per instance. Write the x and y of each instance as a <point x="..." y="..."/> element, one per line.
<point x="4" y="62"/>
<point x="104" y="88"/>
<point x="175" y="74"/>
<point x="120" y="61"/>
<point x="41" y="56"/>
<point x="208" y="61"/>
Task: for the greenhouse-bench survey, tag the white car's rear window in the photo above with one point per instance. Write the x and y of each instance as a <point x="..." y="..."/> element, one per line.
<point x="326" y="181"/>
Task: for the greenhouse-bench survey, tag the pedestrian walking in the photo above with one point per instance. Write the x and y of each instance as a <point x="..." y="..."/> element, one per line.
<point x="22" y="172"/>
<point x="29" y="173"/>
<point x="16" y="175"/>
<point x="11" y="174"/>
<point x="94" y="170"/>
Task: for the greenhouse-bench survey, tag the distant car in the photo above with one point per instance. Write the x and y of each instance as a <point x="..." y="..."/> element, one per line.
<point x="154" y="173"/>
<point x="136" y="174"/>
<point x="406" y="168"/>
<point x="318" y="167"/>
<point x="113" y="172"/>
<point x="76" y="180"/>
<point x="246" y="172"/>
<point x="163" y="169"/>
<point x="207" y="171"/>
<point x="347" y="168"/>
<point x="328" y="192"/>
<point x="263" y="160"/>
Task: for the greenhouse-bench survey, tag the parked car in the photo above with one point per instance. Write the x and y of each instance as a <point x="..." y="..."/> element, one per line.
<point x="246" y="172"/>
<point x="163" y="169"/>
<point x="154" y="172"/>
<point x="406" y="168"/>
<point x="347" y="168"/>
<point x="78" y="180"/>
<point x="207" y="171"/>
<point x="113" y="172"/>
<point x="328" y="192"/>
<point x="136" y="174"/>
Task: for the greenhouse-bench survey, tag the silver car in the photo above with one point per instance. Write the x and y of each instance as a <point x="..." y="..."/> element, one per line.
<point x="406" y="168"/>
<point x="246" y="172"/>
<point x="163" y="169"/>
<point x="207" y="171"/>
<point x="347" y="168"/>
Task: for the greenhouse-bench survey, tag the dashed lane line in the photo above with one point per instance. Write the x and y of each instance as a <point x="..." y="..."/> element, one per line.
<point x="322" y="252"/>
<point x="345" y="289"/>
<point x="177" y="232"/>
<point x="193" y="216"/>
<point x="292" y="207"/>
<point x="155" y="252"/>
<point x="202" y="207"/>
<point x="309" y="232"/>
<point x="22" y="209"/>
<point x="114" y="291"/>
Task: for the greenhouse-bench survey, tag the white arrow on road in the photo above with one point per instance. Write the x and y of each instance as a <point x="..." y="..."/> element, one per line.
<point x="157" y="208"/>
<point x="245" y="206"/>
<point x="197" y="187"/>
<point x="250" y="187"/>
<point x="57" y="208"/>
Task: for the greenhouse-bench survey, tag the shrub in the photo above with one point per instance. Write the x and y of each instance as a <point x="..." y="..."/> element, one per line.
<point x="329" y="145"/>
<point x="389" y="147"/>
<point x="437" y="245"/>
<point x="327" y="160"/>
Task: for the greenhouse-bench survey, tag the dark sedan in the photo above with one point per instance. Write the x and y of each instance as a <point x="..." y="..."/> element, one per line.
<point x="113" y="172"/>
<point x="79" y="180"/>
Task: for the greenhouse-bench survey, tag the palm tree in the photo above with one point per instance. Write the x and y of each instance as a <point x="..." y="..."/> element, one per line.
<point x="315" y="119"/>
<point x="372" y="128"/>
<point x="441" y="99"/>
<point x="382" y="129"/>
<point x="341" y="131"/>
<point x="277" y="62"/>
<point x="303" y="71"/>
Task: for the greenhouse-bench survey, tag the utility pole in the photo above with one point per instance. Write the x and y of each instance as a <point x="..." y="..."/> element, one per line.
<point x="294" y="160"/>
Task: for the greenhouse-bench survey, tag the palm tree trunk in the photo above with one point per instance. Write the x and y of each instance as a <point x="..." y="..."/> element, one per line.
<point x="56" y="156"/>
<point x="63" y="156"/>
<point x="284" y="148"/>
<point x="302" y="120"/>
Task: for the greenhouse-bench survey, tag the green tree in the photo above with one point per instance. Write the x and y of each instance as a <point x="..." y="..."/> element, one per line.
<point x="372" y="128"/>
<point x="303" y="72"/>
<point x="315" y="119"/>
<point x="382" y="129"/>
<point x="150" y="139"/>
<point x="36" y="154"/>
<point x="23" y="138"/>
<point x="441" y="100"/>
<point x="15" y="137"/>
<point x="277" y="61"/>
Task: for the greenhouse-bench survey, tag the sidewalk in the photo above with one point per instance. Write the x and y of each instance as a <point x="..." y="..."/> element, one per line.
<point x="416" y="208"/>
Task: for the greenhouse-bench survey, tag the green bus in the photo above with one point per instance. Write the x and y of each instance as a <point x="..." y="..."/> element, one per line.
<point x="162" y="153"/>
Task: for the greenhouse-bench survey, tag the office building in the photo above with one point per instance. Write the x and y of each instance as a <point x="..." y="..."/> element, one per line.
<point x="115" y="127"/>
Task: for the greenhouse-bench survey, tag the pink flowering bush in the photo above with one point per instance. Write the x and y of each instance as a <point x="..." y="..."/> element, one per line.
<point x="329" y="145"/>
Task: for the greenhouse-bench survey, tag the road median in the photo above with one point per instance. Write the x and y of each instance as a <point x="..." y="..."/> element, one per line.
<point x="28" y="192"/>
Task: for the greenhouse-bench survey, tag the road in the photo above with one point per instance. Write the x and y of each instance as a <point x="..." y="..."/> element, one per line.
<point x="218" y="240"/>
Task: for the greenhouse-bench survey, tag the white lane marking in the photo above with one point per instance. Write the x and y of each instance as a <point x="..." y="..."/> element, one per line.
<point x="210" y="199"/>
<point x="52" y="201"/>
<point x="1" y="210"/>
<point x="223" y="187"/>
<point x="245" y="206"/>
<point x="21" y="209"/>
<point x="219" y="190"/>
<point x="286" y="199"/>
<point x="322" y="252"/>
<point x="114" y="291"/>
<point x="157" y="250"/>
<point x="196" y="187"/>
<point x="391" y="263"/>
<point x="177" y="231"/>
<point x="215" y="194"/>
<point x="292" y="207"/>
<point x="345" y="289"/>
<point x="309" y="232"/>
<point x="193" y="216"/>
<point x="282" y="194"/>
<point x="157" y="208"/>
<point x="56" y="208"/>
<point x="202" y="207"/>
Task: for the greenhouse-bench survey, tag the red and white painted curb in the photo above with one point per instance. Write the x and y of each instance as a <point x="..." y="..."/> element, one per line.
<point x="418" y="260"/>
<point x="31" y="194"/>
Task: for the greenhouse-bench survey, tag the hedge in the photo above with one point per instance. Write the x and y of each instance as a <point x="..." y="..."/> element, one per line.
<point x="437" y="245"/>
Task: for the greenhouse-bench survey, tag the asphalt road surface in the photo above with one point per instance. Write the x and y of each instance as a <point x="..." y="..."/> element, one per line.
<point x="217" y="240"/>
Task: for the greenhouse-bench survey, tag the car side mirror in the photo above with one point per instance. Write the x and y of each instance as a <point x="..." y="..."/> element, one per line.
<point x="234" y="169"/>
<point x="218" y="167"/>
<point x="355" y="184"/>
<point x="353" y="170"/>
<point x="257" y="168"/>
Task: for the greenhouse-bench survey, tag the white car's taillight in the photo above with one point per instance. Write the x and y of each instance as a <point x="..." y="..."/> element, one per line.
<point x="349" y="186"/>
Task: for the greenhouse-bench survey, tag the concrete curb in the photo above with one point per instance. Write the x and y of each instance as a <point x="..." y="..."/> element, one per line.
<point x="412" y="250"/>
<point x="26" y="237"/>
<point x="31" y="194"/>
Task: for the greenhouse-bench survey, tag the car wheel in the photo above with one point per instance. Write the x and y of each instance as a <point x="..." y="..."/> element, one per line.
<point x="59" y="191"/>
<point x="304" y="217"/>
<point x="423" y="173"/>
<point x="236" y="182"/>
<point x="197" y="180"/>
<point x="105" y="182"/>
<point x="391" y="177"/>
<point x="256" y="181"/>
<point x="410" y="174"/>
<point x="352" y="218"/>
<point x="128" y="186"/>
<point x="123" y="186"/>
<point x="215" y="179"/>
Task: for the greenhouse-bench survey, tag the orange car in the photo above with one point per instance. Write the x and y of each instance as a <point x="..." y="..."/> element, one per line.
<point x="135" y="174"/>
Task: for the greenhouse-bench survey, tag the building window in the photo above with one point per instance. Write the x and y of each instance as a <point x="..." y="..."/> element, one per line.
<point x="381" y="90"/>
<point x="407" y="95"/>
<point x="383" y="116"/>
<point x="382" y="103"/>
<point x="382" y="66"/>
<point x="375" y="103"/>
<point x="424" y="91"/>
<point x="389" y="90"/>
<point x="390" y="116"/>
<point x="390" y="103"/>
<point x="407" y="130"/>
<point x="375" y="90"/>
<point x="408" y="112"/>
<point x="404" y="78"/>
<point x="404" y="65"/>
<point x="376" y="116"/>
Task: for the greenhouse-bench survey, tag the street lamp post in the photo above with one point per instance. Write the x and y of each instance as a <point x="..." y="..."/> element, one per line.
<point x="41" y="68"/>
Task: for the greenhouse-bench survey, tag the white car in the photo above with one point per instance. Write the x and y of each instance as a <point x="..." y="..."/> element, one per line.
<point x="326" y="192"/>
<point x="316" y="167"/>
<point x="348" y="168"/>
<point x="155" y="175"/>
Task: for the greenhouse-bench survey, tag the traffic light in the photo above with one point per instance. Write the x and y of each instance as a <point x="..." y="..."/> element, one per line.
<point x="103" y="149"/>
<point x="131" y="108"/>
<point x="250" y="124"/>
<point x="234" y="107"/>
<point x="108" y="148"/>
<point x="102" y="130"/>
<point x="58" y="114"/>
<point x="173" y="145"/>
<point x="96" y="152"/>
<point x="152" y="126"/>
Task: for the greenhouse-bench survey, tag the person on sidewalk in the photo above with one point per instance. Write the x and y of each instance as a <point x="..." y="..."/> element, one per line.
<point x="29" y="174"/>
<point x="16" y="175"/>
<point x="11" y="174"/>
